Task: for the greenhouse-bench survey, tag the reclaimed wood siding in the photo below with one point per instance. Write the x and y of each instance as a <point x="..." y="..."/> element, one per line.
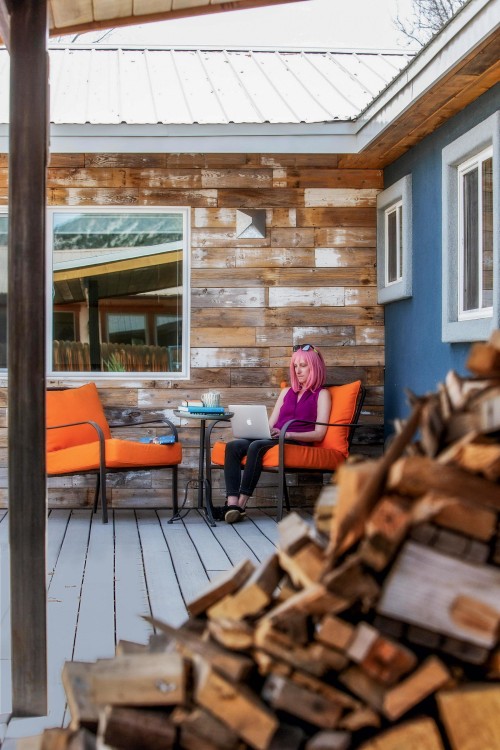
<point x="311" y="279"/>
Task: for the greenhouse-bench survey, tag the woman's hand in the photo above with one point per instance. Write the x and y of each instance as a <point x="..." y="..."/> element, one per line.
<point x="275" y="433"/>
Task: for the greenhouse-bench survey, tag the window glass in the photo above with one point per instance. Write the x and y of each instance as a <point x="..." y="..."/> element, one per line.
<point x="476" y="236"/>
<point x="3" y="291"/>
<point x="117" y="272"/>
<point x="64" y="326"/>
<point x="487" y="232"/>
<point x="394" y="220"/>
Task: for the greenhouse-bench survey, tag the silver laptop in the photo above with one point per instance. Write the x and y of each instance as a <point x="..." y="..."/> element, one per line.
<point x="250" y="421"/>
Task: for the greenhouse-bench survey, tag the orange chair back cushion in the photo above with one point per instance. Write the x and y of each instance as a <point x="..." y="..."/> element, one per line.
<point x="344" y="399"/>
<point x="74" y="405"/>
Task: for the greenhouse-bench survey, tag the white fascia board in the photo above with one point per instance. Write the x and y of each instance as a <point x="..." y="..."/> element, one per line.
<point x="476" y="21"/>
<point x="320" y="138"/>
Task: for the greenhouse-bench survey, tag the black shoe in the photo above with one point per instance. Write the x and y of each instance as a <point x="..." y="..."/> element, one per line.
<point x="218" y="512"/>
<point x="233" y="514"/>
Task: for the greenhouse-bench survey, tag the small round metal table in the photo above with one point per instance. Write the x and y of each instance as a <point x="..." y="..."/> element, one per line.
<point x="204" y="491"/>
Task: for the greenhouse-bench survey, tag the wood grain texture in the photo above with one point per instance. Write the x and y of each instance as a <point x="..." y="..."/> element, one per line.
<point x="311" y="278"/>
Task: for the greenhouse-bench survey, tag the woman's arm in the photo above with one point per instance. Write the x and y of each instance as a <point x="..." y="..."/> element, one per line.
<point x="275" y="412"/>
<point x="323" y="415"/>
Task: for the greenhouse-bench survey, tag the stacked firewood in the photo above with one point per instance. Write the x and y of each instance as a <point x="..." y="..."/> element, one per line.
<point x="377" y="629"/>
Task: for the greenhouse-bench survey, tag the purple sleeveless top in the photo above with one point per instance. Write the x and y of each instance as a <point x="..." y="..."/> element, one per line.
<point x="306" y="408"/>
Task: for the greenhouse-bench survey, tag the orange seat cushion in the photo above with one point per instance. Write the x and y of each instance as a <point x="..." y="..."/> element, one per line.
<point x="344" y="399"/>
<point x="296" y="457"/>
<point x="74" y="405"/>
<point x="120" y="454"/>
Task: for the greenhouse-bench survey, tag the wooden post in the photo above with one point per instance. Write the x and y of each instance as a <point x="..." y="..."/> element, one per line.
<point x="26" y="353"/>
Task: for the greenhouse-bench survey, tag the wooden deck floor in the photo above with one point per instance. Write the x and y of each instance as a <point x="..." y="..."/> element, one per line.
<point x="102" y="578"/>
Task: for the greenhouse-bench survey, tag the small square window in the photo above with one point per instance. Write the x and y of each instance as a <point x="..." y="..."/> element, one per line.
<point x="394" y="242"/>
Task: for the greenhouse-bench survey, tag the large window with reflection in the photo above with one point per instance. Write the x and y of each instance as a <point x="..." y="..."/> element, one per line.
<point x="118" y="290"/>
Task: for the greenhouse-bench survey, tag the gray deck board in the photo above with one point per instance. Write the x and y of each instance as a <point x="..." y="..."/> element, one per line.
<point x="95" y="635"/>
<point x="189" y="569"/>
<point x="165" y="597"/>
<point x="211" y="552"/>
<point x="102" y="578"/>
<point x="130" y="582"/>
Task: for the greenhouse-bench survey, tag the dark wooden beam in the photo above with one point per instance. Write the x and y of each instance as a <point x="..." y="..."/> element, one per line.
<point x="5" y="22"/>
<point x="26" y="354"/>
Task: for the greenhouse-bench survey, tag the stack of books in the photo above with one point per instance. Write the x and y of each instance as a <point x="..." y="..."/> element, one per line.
<point x="195" y="406"/>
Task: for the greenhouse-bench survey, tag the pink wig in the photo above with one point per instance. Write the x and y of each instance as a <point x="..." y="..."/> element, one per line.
<point x="317" y="370"/>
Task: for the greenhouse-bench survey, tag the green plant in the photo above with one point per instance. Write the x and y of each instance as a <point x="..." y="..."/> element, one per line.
<point x="114" y="364"/>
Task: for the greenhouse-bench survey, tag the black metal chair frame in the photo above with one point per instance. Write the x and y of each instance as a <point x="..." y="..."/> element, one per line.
<point x="281" y="470"/>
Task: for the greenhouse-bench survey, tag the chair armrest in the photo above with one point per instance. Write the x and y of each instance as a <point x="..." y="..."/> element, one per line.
<point x="163" y="420"/>
<point x="208" y="434"/>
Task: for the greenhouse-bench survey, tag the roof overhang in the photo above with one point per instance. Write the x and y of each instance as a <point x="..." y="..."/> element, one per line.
<point x="79" y="16"/>
<point x="454" y="69"/>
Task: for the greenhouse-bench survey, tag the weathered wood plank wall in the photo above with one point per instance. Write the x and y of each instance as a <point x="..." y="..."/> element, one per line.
<point x="312" y="278"/>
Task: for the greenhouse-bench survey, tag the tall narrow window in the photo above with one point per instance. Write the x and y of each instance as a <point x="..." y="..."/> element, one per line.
<point x="475" y="190"/>
<point x="394" y="243"/>
<point x="117" y="275"/>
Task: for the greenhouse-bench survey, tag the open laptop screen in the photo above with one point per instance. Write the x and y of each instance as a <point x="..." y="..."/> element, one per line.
<point x="250" y="421"/>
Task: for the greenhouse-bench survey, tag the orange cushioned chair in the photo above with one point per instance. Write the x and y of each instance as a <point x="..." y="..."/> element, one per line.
<point x="85" y="445"/>
<point x="327" y="455"/>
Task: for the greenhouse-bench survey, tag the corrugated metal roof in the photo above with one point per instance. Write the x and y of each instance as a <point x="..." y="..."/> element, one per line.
<point x="108" y="85"/>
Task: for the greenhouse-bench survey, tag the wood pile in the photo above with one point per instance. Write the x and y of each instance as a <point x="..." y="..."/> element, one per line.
<point x="378" y="629"/>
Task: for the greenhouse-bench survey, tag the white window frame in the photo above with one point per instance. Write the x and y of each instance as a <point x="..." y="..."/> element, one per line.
<point x="463" y="169"/>
<point x="396" y="197"/>
<point x="184" y="373"/>
<point x="458" y="326"/>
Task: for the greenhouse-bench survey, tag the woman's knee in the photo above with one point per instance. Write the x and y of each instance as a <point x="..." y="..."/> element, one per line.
<point x="236" y="449"/>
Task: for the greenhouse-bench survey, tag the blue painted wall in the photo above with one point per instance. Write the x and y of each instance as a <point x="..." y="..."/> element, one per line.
<point x="416" y="358"/>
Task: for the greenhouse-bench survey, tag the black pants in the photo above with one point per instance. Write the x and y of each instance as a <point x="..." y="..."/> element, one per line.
<point x="236" y="450"/>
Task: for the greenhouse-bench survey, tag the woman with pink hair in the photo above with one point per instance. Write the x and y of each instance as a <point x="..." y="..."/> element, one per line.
<point x="307" y="399"/>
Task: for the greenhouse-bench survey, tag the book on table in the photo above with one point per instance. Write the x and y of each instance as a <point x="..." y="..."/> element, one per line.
<point x="195" y="406"/>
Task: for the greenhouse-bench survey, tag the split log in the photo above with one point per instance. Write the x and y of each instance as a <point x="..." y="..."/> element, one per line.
<point x="470" y="716"/>
<point x="236" y="706"/>
<point x="352" y="512"/>
<point x="253" y="597"/>
<point x="484" y="360"/>
<point x="234" y="666"/>
<point x="420" y="734"/>
<point x="385" y="529"/>
<point x="76" y="678"/>
<point x="481" y="458"/>
<point x="135" y="729"/>
<point x="426" y="680"/>
<point x="423" y="585"/>
<point x="139" y="680"/>
<point x="334" y="632"/>
<point x="201" y="726"/>
<point x="293" y="533"/>
<point x="224" y="584"/>
<point x="285" y="695"/>
<point x="381" y="658"/>
<point x="306" y="566"/>
<point x="452" y="513"/>
<point x="417" y="475"/>
<point x="330" y="740"/>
